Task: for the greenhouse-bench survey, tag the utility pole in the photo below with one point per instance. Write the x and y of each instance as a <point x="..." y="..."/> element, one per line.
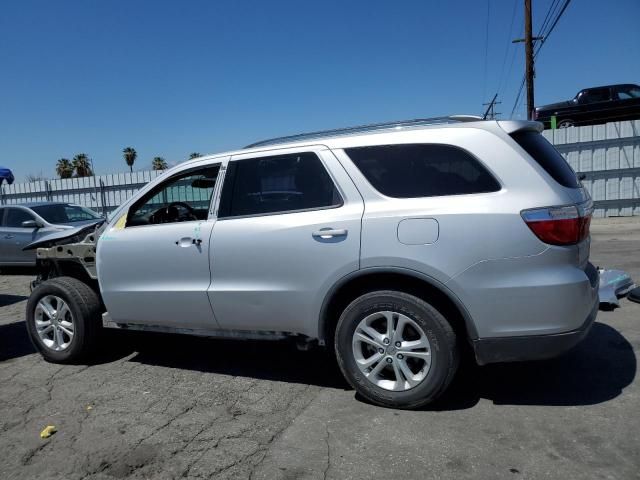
<point x="528" y="52"/>
<point x="528" y="47"/>
<point x="490" y="113"/>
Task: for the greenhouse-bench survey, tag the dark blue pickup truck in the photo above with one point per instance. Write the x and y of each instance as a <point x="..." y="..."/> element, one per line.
<point x="594" y="105"/>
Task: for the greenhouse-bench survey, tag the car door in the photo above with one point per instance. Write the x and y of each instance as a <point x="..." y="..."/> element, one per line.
<point x="15" y="237"/>
<point x="626" y="102"/>
<point x="595" y="105"/>
<point x="153" y="260"/>
<point x="288" y="228"/>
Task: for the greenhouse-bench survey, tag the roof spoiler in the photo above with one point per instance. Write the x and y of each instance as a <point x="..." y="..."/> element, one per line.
<point x="512" y="126"/>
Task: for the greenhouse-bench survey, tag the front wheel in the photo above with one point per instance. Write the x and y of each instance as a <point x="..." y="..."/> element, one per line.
<point x="395" y="349"/>
<point x="63" y="319"/>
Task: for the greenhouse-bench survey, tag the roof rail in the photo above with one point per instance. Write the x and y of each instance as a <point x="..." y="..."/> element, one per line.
<point x="373" y="127"/>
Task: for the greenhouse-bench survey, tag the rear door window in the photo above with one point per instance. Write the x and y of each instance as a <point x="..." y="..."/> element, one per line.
<point x="422" y="170"/>
<point x="547" y="157"/>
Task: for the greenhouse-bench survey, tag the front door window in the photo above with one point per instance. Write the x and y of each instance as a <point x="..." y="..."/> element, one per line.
<point x="185" y="197"/>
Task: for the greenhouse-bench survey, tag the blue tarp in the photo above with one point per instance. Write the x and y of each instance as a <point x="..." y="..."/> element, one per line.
<point x="5" y="174"/>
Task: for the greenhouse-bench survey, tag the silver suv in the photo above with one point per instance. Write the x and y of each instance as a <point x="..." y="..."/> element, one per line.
<point x="395" y="245"/>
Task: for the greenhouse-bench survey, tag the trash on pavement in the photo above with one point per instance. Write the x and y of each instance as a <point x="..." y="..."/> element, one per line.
<point x="613" y="285"/>
<point x="48" y="431"/>
<point x="634" y="295"/>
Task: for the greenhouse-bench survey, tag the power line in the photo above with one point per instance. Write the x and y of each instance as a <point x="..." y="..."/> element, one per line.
<point x="486" y="51"/>
<point x="553" y="26"/>
<point x="506" y="50"/>
<point x="550" y="13"/>
<point x="515" y="104"/>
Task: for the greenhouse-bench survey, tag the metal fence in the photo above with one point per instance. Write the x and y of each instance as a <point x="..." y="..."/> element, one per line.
<point x="608" y="155"/>
<point x="102" y="193"/>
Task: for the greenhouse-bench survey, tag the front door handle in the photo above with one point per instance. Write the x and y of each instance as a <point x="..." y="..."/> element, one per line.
<point x="327" y="233"/>
<point x="9" y="236"/>
<point x="188" y="241"/>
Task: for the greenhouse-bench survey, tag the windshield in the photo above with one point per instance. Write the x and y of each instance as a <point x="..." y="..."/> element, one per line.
<point x="62" y="213"/>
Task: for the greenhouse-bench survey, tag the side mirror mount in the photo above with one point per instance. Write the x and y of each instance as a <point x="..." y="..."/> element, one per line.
<point x="32" y="224"/>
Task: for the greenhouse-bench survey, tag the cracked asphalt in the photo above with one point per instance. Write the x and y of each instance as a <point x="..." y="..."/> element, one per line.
<point x="168" y="407"/>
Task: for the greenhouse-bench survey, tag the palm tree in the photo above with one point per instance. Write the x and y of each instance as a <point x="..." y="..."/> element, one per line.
<point x="82" y="165"/>
<point x="194" y="155"/>
<point x="130" y="156"/>
<point x="64" y="168"/>
<point x="159" y="163"/>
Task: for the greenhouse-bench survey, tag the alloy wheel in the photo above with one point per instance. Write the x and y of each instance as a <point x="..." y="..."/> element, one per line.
<point x="54" y="323"/>
<point x="391" y="350"/>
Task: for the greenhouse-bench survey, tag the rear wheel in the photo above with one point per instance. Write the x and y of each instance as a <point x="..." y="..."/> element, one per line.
<point x="566" y="123"/>
<point x="63" y="319"/>
<point x="395" y="349"/>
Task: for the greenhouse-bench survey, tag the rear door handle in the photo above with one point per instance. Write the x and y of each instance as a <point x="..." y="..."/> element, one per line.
<point x="329" y="233"/>
<point x="9" y="236"/>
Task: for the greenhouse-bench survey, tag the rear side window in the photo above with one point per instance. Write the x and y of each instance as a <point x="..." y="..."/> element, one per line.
<point x="422" y="170"/>
<point x="547" y="157"/>
<point x="277" y="184"/>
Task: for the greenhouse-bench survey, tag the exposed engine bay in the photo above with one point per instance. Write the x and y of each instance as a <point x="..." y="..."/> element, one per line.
<point x="71" y="252"/>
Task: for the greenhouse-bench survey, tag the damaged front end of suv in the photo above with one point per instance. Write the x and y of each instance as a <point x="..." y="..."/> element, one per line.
<point x="70" y="253"/>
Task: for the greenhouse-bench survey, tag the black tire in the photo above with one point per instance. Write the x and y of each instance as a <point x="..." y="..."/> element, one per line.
<point x="445" y="355"/>
<point x="84" y="305"/>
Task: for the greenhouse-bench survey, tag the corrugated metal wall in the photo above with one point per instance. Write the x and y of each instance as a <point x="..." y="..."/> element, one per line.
<point x="608" y="156"/>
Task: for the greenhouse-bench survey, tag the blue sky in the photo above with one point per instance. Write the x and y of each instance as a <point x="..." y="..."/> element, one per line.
<point x="172" y="77"/>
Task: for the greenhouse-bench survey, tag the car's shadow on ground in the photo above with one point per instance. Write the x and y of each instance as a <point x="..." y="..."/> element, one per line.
<point x="32" y="271"/>
<point x="266" y="360"/>
<point x="14" y="341"/>
<point x="8" y="299"/>
<point x="595" y="371"/>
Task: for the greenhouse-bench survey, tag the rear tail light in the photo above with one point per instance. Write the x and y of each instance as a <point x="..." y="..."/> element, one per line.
<point x="560" y="225"/>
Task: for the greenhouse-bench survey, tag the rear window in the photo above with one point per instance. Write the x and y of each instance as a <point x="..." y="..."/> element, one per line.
<point x="422" y="170"/>
<point x="547" y="157"/>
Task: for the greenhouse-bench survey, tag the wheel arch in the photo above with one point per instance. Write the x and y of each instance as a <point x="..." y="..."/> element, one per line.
<point x="393" y="278"/>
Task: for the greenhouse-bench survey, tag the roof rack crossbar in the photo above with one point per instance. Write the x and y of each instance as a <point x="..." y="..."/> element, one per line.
<point x="373" y="127"/>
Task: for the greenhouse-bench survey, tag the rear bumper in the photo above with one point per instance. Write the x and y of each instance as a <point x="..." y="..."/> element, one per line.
<point x="531" y="347"/>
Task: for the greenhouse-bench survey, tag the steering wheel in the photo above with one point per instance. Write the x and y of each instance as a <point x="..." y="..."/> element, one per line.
<point x="172" y="212"/>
